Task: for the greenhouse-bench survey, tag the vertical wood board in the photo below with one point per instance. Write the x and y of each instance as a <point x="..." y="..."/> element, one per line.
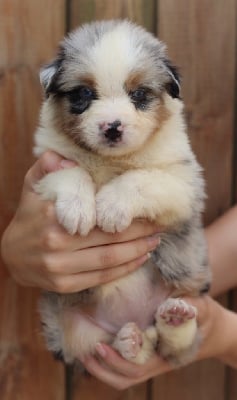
<point x="201" y="41"/>
<point x="29" y="32"/>
<point x="198" y="34"/>
<point x="139" y="11"/>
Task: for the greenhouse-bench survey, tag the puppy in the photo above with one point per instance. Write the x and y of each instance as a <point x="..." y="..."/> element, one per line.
<point x="112" y="104"/>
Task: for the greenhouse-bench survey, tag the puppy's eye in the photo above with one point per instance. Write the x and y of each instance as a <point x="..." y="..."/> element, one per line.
<point x="80" y="99"/>
<point x="138" y="95"/>
<point x="141" y="97"/>
<point x="86" y="92"/>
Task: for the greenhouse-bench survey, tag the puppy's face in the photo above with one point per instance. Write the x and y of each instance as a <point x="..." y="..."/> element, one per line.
<point x="105" y="90"/>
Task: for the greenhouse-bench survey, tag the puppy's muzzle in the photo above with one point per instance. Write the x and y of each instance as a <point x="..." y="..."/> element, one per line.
<point x="112" y="130"/>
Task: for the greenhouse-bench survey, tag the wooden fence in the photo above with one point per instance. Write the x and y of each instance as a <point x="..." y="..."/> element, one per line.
<point x="201" y="37"/>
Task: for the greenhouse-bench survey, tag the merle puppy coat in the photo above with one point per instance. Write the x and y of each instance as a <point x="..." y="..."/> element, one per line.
<point x="112" y="104"/>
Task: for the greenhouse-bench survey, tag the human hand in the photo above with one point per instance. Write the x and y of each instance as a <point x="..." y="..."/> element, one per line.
<point x="109" y="367"/>
<point x="39" y="252"/>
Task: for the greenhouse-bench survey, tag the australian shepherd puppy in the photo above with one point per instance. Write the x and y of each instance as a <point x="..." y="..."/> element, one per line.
<point x="112" y="104"/>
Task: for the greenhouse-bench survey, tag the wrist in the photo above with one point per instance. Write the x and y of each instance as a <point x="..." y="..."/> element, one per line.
<point x="222" y="252"/>
<point x="228" y="351"/>
<point x="212" y="321"/>
<point x="218" y="327"/>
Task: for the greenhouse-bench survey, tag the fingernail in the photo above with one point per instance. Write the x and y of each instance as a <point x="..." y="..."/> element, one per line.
<point x="67" y="164"/>
<point x="153" y="241"/>
<point x="100" y="350"/>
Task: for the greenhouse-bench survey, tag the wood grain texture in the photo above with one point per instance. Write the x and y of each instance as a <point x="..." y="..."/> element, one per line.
<point x="201" y="41"/>
<point x="81" y="11"/>
<point x="231" y="373"/>
<point x="29" y="32"/>
<point x="140" y="11"/>
<point x="89" y="388"/>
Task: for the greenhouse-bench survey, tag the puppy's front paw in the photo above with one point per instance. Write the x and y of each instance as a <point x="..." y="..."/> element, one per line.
<point x="113" y="213"/>
<point x="76" y="214"/>
<point x="73" y="191"/>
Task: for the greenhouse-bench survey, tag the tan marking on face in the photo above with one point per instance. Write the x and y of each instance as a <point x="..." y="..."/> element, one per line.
<point x="135" y="80"/>
<point x="162" y="114"/>
<point x="87" y="80"/>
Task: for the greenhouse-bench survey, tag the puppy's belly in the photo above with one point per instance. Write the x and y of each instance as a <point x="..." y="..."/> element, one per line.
<point x="124" y="303"/>
<point x="121" y="307"/>
<point x="84" y="325"/>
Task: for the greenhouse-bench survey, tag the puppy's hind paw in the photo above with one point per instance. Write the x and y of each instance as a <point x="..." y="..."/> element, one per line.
<point x="175" y="312"/>
<point x="177" y="330"/>
<point x="129" y="341"/>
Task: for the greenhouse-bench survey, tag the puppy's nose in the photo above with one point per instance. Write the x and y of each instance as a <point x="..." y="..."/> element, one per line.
<point x="115" y="124"/>
<point x="113" y="130"/>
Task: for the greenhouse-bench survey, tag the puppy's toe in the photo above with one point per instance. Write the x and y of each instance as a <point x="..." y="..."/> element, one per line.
<point x="176" y="312"/>
<point x="112" y="214"/>
<point x="75" y="215"/>
<point x="129" y="341"/>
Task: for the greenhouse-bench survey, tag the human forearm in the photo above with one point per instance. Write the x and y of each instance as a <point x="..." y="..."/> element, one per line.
<point x="218" y="328"/>
<point x="222" y="249"/>
<point x="229" y="331"/>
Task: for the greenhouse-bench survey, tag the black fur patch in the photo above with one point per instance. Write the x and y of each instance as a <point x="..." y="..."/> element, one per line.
<point x="173" y="86"/>
<point x="58" y="355"/>
<point x="206" y="288"/>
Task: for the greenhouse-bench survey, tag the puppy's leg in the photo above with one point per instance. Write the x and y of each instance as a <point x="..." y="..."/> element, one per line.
<point x="177" y="329"/>
<point x="80" y="335"/>
<point x="144" y="194"/>
<point x="182" y="258"/>
<point x="135" y="345"/>
<point x="74" y="193"/>
<point x="173" y="199"/>
<point x="69" y="333"/>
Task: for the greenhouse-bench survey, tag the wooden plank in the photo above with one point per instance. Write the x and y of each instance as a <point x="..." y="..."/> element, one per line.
<point x="201" y="40"/>
<point x="197" y="34"/>
<point x="81" y="11"/>
<point x="89" y="388"/>
<point x="139" y="11"/>
<point x="231" y="373"/>
<point x="29" y="32"/>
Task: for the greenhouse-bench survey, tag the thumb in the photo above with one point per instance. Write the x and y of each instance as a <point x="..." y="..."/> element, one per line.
<point x="48" y="162"/>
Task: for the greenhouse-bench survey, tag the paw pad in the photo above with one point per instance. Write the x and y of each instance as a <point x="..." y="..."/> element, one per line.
<point x="176" y="312"/>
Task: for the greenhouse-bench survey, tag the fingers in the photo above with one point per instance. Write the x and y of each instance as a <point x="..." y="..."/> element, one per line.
<point x="115" y="362"/>
<point x="100" y="257"/>
<point x="85" y="280"/>
<point x="48" y="162"/>
<point x="111" y="378"/>
<point x="121" y="374"/>
<point x="97" y="237"/>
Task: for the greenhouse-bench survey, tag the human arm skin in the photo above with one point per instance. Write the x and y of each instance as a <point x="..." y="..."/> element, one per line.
<point x="39" y="252"/>
<point x="218" y="325"/>
<point x="222" y="248"/>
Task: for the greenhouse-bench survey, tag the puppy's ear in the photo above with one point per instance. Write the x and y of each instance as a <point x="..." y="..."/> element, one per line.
<point x="173" y="86"/>
<point x="49" y="74"/>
